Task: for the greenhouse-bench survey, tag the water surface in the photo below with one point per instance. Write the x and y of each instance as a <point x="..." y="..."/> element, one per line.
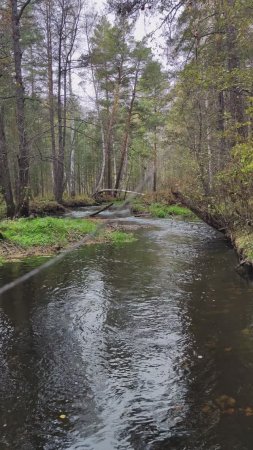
<point x="134" y="346"/>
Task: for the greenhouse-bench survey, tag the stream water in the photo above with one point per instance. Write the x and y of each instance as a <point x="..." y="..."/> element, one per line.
<point x="145" y="346"/>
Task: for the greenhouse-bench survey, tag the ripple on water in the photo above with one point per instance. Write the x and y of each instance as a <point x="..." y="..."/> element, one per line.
<point x="125" y="347"/>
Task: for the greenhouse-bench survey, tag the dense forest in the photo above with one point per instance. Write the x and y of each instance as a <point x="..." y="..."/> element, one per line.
<point x="86" y="106"/>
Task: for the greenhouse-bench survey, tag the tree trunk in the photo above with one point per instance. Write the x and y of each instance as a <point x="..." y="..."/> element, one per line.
<point x="51" y="90"/>
<point x="155" y="164"/>
<point x="209" y="148"/>
<point x="126" y="135"/>
<point x="102" y="170"/>
<point x="23" y="157"/>
<point x="214" y="220"/>
<point x="60" y="156"/>
<point x="5" y="180"/>
<point x="236" y="103"/>
<point x="108" y="148"/>
<point x="222" y="151"/>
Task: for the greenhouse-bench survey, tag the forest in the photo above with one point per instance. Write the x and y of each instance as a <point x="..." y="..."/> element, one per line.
<point x="87" y="106"/>
<point x="126" y="224"/>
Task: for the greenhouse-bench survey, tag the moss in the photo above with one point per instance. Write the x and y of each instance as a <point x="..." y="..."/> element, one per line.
<point x="46" y="207"/>
<point x="78" y="201"/>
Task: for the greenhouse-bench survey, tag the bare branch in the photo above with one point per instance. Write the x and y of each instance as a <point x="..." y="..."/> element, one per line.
<point x="23" y="7"/>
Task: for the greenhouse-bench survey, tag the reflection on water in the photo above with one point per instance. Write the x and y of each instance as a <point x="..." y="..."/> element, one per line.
<point x="132" y="346"/>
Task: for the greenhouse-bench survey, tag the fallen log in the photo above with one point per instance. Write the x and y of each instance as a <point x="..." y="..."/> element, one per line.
<point x="116" y="190"/>
<point x="213" y="219"/>
<point x="101" y="210"/>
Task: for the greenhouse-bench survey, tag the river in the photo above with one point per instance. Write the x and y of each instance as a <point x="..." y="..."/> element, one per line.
<point x="144" y="346"/>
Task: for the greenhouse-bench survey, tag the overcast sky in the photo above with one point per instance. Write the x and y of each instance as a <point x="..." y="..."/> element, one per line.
<point x="146" y="23"/>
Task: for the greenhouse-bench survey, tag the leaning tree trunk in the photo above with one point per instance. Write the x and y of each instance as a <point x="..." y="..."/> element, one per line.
<point x="5" y="180"/>
<point x="213" y="219"/>
<point x="23" y="158"/>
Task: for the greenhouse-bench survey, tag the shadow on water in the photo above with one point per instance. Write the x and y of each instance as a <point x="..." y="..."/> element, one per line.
<point x="146" y="346"/>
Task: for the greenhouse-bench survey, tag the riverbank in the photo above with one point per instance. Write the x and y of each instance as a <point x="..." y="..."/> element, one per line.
<point x="48" y="236"/>
<point x="242" y="241"/>
<point x="238" y="231"/>
<point x="41" y="207"/>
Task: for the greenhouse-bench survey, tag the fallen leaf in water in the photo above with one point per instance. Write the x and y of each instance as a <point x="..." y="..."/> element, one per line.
<point x="178" y="408"/>
<point x="62" y="416"/>
<point x="211" y="344"/>
<point x="248" y="411"/>
<point x="227" y="349"/>
<point x="206" y="409"/>
<point x="229" y="411"/>
<point x="247" y="332"/>
<point x="225" y="402"/>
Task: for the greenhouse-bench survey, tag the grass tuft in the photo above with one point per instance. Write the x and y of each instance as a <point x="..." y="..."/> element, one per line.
<point x="120" y="237"/>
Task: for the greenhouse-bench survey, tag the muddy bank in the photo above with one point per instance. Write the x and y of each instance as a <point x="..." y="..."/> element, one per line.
<point x="41" y="208"/>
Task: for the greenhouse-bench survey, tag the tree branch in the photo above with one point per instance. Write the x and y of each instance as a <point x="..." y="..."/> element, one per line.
<point x="23" y="7"/>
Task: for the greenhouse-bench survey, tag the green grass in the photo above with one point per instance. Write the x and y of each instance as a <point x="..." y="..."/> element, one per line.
<point x="161" y="210"/>
<point x="45" y="231"/>
<point x="244" y="242"/>
<point x="50" y="232"/>
<point x="120" y="237"/>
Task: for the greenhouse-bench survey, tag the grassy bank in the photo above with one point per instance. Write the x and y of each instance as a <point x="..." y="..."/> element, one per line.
<point x="161" y="210"/>
<point x="243" y="243"/>
<point x="47" y="236"/>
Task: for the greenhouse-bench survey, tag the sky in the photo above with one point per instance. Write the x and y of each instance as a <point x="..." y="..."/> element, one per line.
<point x="145" y="24"/>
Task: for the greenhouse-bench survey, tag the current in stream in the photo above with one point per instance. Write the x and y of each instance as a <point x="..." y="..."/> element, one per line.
<point x="144" y="346"/>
